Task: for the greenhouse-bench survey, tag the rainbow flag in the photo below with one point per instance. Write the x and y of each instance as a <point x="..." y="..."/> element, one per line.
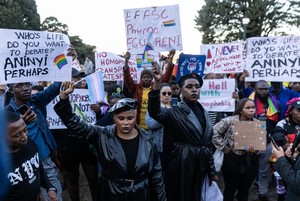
<point x="169" y="23"/>
<point x="60" y="61"/>
<point x="148" y="46"/>
<point x="96" y="86"/>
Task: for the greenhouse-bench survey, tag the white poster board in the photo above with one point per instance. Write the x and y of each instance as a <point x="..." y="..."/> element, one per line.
<point x="163" y="22"/>
<point x="31" y="56"/>
<point x="111" y="66"/>
<point x="81" y="98"/>
<point x="273" y="58"/>
<point x="216" y="95"/>
<point x="223" y="58"/>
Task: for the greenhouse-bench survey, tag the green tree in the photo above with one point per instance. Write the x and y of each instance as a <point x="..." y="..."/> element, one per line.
<point x="19" y="14"/>
<point x="82" y="49"/>
<point x="221" y="20"/>
<point x="52" y="24"/>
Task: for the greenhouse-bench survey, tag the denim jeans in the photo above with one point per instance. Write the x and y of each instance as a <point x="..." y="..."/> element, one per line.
<point x="264" y="169"/>
<point x="50" y="170"/>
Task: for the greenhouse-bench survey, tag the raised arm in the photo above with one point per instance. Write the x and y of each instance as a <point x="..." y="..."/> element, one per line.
<point x="154" y="108"/>
<point x="78" y="127"/>
<point x="128" y="80"/>
<point x="170" y="66"/>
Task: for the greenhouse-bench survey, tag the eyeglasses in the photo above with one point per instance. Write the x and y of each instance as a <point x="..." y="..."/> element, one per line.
<point x="166" y="93"/>
<point x="22" y="85"/>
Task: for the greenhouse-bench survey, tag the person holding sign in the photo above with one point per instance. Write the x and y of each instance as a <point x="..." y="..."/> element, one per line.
<point x="32" y="109"/>
<point x="140" y="91"/>
<point x="189" y="127"/>
<point x="131" y="168"/>
<point x="239" y="166"/>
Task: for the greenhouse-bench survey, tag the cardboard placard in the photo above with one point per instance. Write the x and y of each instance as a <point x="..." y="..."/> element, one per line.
<point x="249" y="133"/>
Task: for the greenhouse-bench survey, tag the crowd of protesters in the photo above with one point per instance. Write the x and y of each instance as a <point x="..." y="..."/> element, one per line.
<point x="153" y="140"/>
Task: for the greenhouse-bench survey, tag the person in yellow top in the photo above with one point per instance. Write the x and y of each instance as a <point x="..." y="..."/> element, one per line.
<point x="140" y="91"/>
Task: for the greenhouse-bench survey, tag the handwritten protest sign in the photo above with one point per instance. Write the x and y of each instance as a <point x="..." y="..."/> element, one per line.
<point x="223" y="58"/>
<point x="81" y="106"/>
<point x="158" y="27"/>
<point x="30" y="56"/>
<point x="111" y="66"/>
<point x="189" y="63"/>
<point x="273" y="58"/>
<point x="216" y="95"/>
<point x="249" y="133"/>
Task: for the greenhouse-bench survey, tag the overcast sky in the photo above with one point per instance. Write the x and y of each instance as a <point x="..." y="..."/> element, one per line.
<point x="101" y="23"/>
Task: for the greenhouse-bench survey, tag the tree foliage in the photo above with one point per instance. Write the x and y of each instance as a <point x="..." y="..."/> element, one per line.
<point x="221" y="20"/>
<point x="19" y="14"/>
<point x="53" y="24"/>
<point x="82" y="49"/>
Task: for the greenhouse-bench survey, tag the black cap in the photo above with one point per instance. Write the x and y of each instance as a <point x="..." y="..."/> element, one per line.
<point x="146" y="72"/>
<point x="189" y="76"/>
<point x="279" y="138"/>
<point x="76" y="73"/>
<point x="124" y="104"/>
<point x="296" y="104"/>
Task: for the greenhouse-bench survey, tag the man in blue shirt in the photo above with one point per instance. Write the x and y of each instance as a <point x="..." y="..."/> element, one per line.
<point x="32" y="109"/>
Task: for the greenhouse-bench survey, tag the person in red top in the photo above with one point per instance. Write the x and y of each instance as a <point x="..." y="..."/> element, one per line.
<point x="140" y="91"/>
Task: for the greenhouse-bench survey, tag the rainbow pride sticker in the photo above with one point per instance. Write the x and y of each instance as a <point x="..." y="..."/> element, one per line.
<point x="169" y="23"/>
<point x="60" y="61"/>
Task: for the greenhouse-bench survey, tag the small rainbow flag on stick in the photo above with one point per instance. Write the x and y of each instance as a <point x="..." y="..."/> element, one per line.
<point x="96" y="86"/>
<point x="60" y="61"/>
<point x="169" y="23"/>
<point x="147" y="47"/>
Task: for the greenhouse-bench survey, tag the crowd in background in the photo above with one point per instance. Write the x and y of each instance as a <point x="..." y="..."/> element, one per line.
<point x="152" y="141"/>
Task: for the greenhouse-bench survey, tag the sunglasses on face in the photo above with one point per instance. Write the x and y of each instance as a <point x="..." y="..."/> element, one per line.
<point x="166" y="93"/>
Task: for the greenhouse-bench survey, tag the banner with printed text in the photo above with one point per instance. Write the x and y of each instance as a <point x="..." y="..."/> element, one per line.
<point x="111" y="66"/>
<point x="80" y="101"/>
<point x="153" y="29"/>
<point x="273" y="58"/>
<point x="216" y="95"/>
<point x="189" y="63"/>
<point x="223" y="58"/>
<point x="31" y="56"/>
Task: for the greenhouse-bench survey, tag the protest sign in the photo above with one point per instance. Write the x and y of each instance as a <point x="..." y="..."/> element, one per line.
<point x="223" y="58"/>
<point x="80" y="101"/>
<point x="189" y="63"/>
<point x="31" y="56"/>
<point x="273" y="58"/>
<point x="216" y="95"/>
<point x="249" y="133"/>
<point x="111" y="66"/>
<point x="157" y="27"/>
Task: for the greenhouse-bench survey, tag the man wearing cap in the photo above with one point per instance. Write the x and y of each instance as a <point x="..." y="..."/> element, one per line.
<point x="287" y="130"/>
<point x="131" y="168"/>
<point x="290" y="126"/>
<point x="140" y="91"/>
<point x="190" y="130"/>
